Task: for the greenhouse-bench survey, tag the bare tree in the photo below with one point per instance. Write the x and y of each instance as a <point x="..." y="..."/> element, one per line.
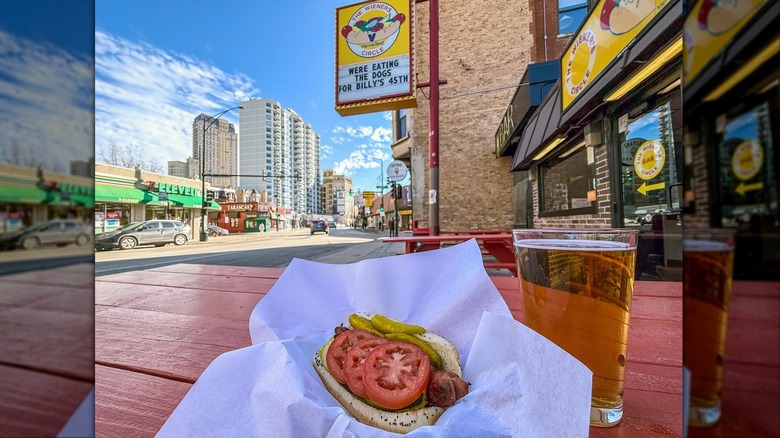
<point x="32" y="156"/>
<point x="129" y="156"/>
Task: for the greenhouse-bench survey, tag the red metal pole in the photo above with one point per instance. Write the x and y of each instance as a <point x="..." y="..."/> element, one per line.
<point x="433" y="119"/>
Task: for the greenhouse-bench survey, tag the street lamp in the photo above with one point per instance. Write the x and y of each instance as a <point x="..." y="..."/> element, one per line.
<point x="204" y="235"/>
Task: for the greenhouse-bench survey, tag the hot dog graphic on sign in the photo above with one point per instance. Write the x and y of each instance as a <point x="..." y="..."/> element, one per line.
<point x="620" y="16"/>
<point x="718" y="16"/>
<point x="373" y="29"/>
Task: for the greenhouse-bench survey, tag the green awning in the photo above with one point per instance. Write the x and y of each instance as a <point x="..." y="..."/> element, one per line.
<point x="190" y="201"/>
<point x="124" y="195"/>
<point x="22" y="195"/>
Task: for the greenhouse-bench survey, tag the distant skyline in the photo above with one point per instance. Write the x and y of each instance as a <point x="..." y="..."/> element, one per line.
<point x="156" y="71"/>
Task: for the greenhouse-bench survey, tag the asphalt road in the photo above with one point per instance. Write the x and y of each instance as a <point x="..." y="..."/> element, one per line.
<point x="272" y="249"/>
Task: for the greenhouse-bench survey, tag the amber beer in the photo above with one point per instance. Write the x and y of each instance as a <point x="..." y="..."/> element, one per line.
<point x="577" y="293"/>
<point x="708" y="269"/>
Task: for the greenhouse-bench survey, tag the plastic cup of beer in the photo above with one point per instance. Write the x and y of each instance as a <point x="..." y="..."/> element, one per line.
<point x="708" y="264"/>
<point x="576" y="287"/>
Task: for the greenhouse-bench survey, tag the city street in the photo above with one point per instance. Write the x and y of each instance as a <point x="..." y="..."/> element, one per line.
<point x="271" y="249"/>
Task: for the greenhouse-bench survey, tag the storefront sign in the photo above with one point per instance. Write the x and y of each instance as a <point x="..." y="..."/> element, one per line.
<point x="709" y="26"/>
<point x="374" y="69"/>
<point x="173" y="189"/>
<point x="649" y="159"/>
<point x="240" y="207"/>
<point x="609" y="28"/>
<point x="747" y="159"/>
<point x="396" y="171"/>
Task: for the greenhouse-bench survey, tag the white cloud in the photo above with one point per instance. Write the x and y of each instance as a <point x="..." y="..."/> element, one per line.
<point x="45" y="101"/>
<point x="148" y="97"/>
<point x="388" y="116"/>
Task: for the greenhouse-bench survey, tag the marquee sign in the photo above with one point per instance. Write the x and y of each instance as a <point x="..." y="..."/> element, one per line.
<point x="374" y="68"/>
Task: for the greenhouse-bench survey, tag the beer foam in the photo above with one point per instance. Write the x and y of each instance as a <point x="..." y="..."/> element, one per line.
<point x="705" y="245"/>
<point x="571" y="244"/>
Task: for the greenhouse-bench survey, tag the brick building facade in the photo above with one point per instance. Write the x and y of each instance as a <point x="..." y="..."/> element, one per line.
<point x="484" y="48"/>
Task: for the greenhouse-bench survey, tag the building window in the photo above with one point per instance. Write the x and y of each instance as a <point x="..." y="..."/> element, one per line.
<point x="566" y="184"/>
<point x="402" y="123"/>
<point x="571" y="13"/>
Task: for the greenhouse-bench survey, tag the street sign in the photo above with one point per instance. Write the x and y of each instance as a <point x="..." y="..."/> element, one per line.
<point x="396" y="171"/>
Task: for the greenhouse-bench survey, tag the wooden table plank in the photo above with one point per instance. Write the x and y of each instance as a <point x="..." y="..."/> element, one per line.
<point x="130" y="404"/>
<point x="191" y="281"/>
<point x="164" y="344"/>
<point x="34" y="403"/>
<point x="233" y="271"/>
<point x="218" y="304"/>
<point x="57" y="342"/>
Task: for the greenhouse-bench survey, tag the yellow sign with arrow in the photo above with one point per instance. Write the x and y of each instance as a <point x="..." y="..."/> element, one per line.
<point x="743" y="188"/>
<point x="645" y="187"/>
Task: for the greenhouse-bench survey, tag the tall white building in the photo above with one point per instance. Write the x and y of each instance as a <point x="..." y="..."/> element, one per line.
<point x="221" y="155"/>
<point x="282" y="153"/>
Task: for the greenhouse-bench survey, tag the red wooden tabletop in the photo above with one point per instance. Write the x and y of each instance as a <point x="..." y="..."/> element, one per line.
<point x="157" y="330"/>
<point x="46" y="348"/>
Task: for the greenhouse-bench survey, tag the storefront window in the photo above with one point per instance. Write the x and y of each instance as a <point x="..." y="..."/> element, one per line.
<point x="649" y="165"/>
<point x="566" y="185"/>
<point x="746" y="166"/>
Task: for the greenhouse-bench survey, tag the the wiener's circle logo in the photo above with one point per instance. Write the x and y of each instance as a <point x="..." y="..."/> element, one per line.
<point x="718" y="16"/>
<point x="747" y="160"/>
<point x="372" y="29"/>
<point x="583" y="53"/>
<point x="620" y="16"/>
<point x="649" y="159"/>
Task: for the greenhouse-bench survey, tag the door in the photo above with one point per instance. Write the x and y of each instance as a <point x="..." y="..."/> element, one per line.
<point x="150" y="233"/>
<point x="650" y="181"/>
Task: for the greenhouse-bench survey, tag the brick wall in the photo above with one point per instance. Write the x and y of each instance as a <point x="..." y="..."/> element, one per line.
<point x="484" y="48"/>
<point x="602" y="219"/>
<point x="545" y="14"/>
<point x="700" y="217"/>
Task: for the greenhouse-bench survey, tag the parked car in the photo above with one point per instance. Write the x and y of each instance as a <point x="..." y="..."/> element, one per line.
<point x="58" y="232"/>
<point x="215" y="231"/>
<point x="332" y="225"/>
<point x="319" y="226"/>
<point x="153" y="232"/>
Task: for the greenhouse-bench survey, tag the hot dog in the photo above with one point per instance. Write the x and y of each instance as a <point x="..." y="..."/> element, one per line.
<point x="372" y="31"/>
<point x="358" y="372"/>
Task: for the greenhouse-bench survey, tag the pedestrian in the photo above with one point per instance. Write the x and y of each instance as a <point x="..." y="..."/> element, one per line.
<point x="391" y="226"/>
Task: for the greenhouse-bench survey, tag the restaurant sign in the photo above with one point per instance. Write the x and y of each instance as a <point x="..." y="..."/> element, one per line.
<point x="374" y="68"/>
<point x="607" y="31"/>
<point x="240" y="207"/>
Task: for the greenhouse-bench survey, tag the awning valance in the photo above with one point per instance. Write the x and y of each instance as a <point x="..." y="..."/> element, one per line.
<point x="22" y="194"/>
<point x="124" y="195"/>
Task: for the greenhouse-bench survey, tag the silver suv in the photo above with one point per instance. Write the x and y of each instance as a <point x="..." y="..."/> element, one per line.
<point x="58" y="232"/>
<point x="153" y="232"/>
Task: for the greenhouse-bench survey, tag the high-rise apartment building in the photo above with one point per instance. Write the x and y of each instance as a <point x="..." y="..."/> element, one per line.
<point x="282" y="153"/>
<point x="221" y="151"/>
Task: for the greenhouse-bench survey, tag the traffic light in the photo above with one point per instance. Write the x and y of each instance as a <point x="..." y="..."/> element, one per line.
<point x="209" y="195"/>
<point x="399" y="191"/>
<point x="393" y="192"/>
<point x="382" y="208"/>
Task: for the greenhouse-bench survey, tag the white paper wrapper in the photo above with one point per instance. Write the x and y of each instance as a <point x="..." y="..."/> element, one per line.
<point x="521" y="384"/>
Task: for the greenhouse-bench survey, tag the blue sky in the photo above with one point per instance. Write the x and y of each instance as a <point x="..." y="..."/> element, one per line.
<point x="160" y="64"/>
<point x="46" y="82"/>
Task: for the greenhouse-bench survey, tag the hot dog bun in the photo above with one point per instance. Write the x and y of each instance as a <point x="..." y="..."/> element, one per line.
<point x="398" y="422"/>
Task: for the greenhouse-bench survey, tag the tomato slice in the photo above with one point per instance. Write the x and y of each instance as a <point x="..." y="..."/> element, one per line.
<point x="353" y="363"/>
<point x="337" y="351"/>
<point x="395" y="374"/>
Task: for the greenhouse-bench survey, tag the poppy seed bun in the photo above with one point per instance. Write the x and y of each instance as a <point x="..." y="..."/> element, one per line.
<point x="398" y="422"/>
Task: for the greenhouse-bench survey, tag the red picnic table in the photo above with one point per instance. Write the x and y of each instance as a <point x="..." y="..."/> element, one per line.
<point x="498" y="247"/>
<point x="46" y="348"/>
<point x="157" y="330"/>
